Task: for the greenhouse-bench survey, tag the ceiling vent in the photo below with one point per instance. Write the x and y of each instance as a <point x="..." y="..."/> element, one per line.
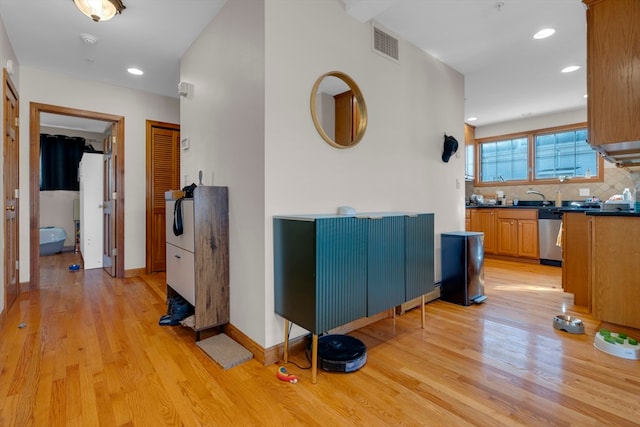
<point x="385" y="44"/>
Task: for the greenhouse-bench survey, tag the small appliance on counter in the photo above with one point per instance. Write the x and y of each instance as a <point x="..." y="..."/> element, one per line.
<point x="618" y="205"/>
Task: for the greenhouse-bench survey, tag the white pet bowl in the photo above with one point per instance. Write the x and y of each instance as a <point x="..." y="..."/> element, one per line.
<point x="617" y="344"/>
<point x="566" y="323"/>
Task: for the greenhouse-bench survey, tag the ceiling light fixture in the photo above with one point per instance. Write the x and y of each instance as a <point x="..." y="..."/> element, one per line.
<point x="544" y="33"/>
<point x="472" y="119"/>
<point x="570" y="69"/>
<point x="135" y="71"/>
<point x="100" y="10"/>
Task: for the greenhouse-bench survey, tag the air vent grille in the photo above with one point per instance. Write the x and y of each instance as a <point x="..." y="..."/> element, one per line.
<point x="385" y="44"/>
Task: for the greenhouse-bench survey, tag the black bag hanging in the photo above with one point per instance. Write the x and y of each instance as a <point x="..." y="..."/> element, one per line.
<point x="177" y="217"/>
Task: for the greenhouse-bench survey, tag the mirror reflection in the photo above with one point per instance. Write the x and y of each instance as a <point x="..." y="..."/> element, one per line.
<point x="338" y="109"/>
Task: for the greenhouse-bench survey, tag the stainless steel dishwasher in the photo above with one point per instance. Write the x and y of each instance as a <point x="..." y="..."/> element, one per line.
<point x="549" y="224"/>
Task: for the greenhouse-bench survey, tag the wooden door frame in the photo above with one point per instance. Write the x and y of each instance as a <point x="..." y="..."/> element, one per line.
<point x="34" y="182"/>
<point x="149" y="209"/>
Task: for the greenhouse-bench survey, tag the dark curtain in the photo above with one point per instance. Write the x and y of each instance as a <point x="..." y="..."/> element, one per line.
<point x="59" y="160"/>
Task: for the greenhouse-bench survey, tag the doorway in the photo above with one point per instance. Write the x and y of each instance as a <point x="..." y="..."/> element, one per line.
<point x="116" y="193"/>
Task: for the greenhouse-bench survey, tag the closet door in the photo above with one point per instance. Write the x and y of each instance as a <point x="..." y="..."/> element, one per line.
<point x="163" y="174"/>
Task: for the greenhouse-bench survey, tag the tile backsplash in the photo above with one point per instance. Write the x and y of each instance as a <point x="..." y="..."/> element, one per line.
<point x="615" y="181"/>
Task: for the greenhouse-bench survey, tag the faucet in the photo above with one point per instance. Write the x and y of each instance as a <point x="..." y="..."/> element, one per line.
<point x="544" y="199"/>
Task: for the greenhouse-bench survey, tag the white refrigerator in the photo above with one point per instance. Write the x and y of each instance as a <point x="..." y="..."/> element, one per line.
<point x="91" y="216"/>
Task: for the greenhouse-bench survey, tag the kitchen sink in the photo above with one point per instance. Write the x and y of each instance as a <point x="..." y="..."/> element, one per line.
<point x="535" y="203"/>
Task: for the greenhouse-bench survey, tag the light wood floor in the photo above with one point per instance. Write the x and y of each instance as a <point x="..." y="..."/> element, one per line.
<point x="91" y="353"/>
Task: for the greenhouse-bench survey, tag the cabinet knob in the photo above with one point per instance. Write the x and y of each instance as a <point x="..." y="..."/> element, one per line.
<point x="177" y="256"/>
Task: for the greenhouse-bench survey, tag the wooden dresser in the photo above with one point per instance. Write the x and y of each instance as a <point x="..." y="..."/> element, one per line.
<point x="198" y="259"/>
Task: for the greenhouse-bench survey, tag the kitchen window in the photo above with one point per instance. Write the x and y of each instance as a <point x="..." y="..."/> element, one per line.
<point x="562" y="154"/>
<point x="538" y="156"/>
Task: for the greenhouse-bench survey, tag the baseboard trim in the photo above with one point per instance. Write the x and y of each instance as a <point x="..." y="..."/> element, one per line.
<point x="274" y="354"/>
<point x="134" y="272"/>
<point x="513" y="258"/>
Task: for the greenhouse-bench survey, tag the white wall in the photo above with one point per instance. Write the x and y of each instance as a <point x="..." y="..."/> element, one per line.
<point x="396" y="167"/>
<point x="225" y="121"/>
<point x="6" y="54"/>
<point x="56" y="209"/>
<point x="249" y="119"/>
<point x="136" y="106"/>
<point x="532" y="123"/>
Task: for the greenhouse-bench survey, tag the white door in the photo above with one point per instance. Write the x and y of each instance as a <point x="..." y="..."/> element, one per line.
<point x="91" y="232"/>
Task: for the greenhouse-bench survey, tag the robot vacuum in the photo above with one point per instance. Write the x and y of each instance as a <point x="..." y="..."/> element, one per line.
<point x="341" y="353"/>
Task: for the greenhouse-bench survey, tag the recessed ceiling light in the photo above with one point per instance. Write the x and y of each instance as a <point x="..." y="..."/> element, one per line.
<point x="472" y="119"/>
<point x="544" y="33"/>
<point x="135" y="71"/>
<point x="570" y="69"/>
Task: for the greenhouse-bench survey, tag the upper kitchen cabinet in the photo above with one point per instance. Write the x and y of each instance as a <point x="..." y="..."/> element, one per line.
<point x="613" y="78"/>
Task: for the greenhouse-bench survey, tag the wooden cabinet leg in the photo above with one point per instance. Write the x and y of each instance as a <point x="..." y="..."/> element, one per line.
<point x="314" y="359"/>
<point x="285" y="356"/>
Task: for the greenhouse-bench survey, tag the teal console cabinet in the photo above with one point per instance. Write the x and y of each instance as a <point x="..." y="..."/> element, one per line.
<point x="330" y="270"/>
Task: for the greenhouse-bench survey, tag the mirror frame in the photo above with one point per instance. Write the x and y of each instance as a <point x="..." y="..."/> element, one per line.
<point x="361" y="126"/>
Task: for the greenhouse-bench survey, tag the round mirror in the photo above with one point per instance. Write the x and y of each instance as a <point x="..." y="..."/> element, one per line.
<point x="338" y="109"/>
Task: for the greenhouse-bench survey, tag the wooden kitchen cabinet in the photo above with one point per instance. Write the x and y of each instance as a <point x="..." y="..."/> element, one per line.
<point x="517" y="232"/>
<point x="615" y="282"/>
<point x="575" y="257"/>
<point x="483" y="220"/>
<point x="613" y="84"/>
<point x="467" y="219"/>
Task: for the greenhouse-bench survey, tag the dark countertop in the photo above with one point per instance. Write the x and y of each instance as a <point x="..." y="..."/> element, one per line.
<point x="613" y="213"/>
<point x="563" y="209"/>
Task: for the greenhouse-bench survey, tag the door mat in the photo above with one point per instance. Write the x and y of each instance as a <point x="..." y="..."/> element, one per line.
<point x="224" y="351"/>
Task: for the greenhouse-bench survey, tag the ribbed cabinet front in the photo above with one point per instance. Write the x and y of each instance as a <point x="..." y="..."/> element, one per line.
<point x="329" y="271"/>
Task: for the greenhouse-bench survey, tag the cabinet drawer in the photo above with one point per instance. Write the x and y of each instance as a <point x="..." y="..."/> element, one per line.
<point x="180" y="272"/>
<point x="517" y="213"/>
<point x="186" y="239"/>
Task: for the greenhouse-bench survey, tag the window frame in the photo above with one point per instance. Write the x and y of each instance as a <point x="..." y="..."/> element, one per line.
<point x="596" y="176"/>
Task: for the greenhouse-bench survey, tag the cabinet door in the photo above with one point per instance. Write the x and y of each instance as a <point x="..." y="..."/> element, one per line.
<point x="386" y="263"/>
<point x="528" y="238"/>
<point x="186" y="239"/>
<point x="507" y="236"/>
<point x="419" y="252"/>
<point x="341" y="271"/>
<point x="487" y="226"/>
<point x="483" y="221"/>
<point x="614" y="267"/>
<point x="467" y="220"/>
<point x="180" y="272"/>
<point x="612" y="71"/>
<point x="575" y="257"/>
